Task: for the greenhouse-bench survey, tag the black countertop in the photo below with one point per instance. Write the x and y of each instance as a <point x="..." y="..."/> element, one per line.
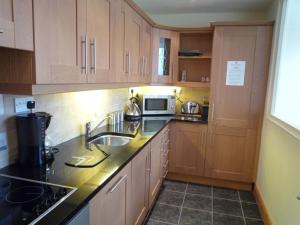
<point x="90" y="181"/>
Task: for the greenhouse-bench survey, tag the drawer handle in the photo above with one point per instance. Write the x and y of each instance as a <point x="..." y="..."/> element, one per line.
<point x="111" y="190"/>
<point x="1" y="31"/>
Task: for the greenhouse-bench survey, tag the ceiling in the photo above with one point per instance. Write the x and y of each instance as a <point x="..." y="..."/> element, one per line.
<point x="153" y="7"/>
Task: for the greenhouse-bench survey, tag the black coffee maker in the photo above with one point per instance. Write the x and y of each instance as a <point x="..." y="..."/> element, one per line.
<point x="31" y="131"/>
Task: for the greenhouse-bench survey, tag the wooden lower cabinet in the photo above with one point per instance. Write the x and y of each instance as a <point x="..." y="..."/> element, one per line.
<point x="231" y="153"/>
<point x="110" y="206"/>
<point x="187" y="153"/>
<point x="155" y="168"/>
<point x="139" y="187"/>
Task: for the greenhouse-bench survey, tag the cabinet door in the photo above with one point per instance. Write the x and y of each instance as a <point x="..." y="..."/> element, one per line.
<point x="165" y="59"/>
<point x="187" y="153"/>
<point x="139" y="187"/>
<point x="146" y="53"/>
<point x="99" y="15"/>
<point x="118" y="42"/>
<point x="230" y="153"/>
<point x="155" y="168"/>
<point x="57" y="43"/>
<point x="133" y="41"/>
<point x="16" y="24"/>
<point x="165" y="151"/>
<point x="110" y="205"/>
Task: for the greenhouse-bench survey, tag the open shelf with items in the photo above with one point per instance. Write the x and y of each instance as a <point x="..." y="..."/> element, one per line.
<point x="195" y="70"/>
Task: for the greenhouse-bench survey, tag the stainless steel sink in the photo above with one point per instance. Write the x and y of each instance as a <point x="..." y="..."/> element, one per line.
<point x="112" y="140"/>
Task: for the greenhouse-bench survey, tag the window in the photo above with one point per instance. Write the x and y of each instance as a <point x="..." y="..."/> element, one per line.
<point x="286" y="98"/>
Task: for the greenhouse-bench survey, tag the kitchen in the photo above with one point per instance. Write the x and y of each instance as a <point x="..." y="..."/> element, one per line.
<point x="121" y="112"/>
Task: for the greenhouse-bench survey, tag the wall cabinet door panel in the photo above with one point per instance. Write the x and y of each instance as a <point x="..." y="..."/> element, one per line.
<point x="56" y="43"/>
<point x="99" y="15"/>
<point x="146" y="64"/>
<point x="187" y="153"/>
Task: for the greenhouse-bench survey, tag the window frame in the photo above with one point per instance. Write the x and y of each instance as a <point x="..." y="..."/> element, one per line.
<point x="274" y="71"/>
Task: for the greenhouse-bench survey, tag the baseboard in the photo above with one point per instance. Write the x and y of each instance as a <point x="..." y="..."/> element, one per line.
<point x="262" y="206"/>
<point x="210" y="181"/>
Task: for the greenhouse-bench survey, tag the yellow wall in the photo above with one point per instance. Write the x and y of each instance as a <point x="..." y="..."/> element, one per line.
<point x="278" y="173"/>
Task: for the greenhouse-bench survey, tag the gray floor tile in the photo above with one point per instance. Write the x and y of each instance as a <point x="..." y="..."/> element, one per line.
<point x="227" y="207"/>
<point x="175" y="186"/>
<point x="199" y="189"/>
<point x="247" y="196"/>
<point x="225" y="193"/>
<point x="251" y="211"/>
<point x="171" y="197"/>
<point x="254" y="222"/>
<point x="195" y="217"/>
<point x="221" y="219"/>
<point x="198" y="202"/>
<point x="165" y="213"/>
<point x="152" y="222"/>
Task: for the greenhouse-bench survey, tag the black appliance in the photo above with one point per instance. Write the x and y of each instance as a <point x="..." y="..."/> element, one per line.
<point x="25" y="201"/>
<point x="204" y="109"/>
<point x="31" y="131"/>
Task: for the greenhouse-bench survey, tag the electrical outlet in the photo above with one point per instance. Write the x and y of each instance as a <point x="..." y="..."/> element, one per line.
<point x="1" y="105"/>
<point x="3" y="141"/>
<point x="21" y="104"/>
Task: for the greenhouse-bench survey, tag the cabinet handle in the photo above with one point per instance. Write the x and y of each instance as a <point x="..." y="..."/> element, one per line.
<point x="84" y="55"/>
<point x="142" y="67"/>
<point x="145" y="65"/>
<point x="112" y="189"/>
<point x="212" y="112"/>
<point x="127" y="70"/>
<point x="1" y="31"/>
<point x="93" y="56"/>
<point x="150" y="161"/>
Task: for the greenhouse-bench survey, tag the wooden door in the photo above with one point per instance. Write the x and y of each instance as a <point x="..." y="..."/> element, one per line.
<point x="167" y="42"/>
<point x="236" y="112"/>
<point x="133" y="41"/>
<point x="139" y="187"/>
<point x="99" y="15"/>
<point x="118" y="42"/>
<point x="155" y="168"/>
<point x="146" y="48"/>
<point x="60" y="44"/>
<point x="16" y="24"/>
<point x="187" y="153"/>
<point x="110" y="205"/>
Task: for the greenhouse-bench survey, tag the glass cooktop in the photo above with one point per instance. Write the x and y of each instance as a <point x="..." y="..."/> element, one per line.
<point x="24" y="201"/>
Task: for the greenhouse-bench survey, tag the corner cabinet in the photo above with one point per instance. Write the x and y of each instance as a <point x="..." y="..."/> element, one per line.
<point x="236" y="111"/>
<point x="165" y="56"/>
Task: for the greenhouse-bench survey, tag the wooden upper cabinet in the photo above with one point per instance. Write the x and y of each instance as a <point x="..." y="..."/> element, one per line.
<point x="146" y="55"/>
<point x="133" y="40"/>
<point x="165" y="56"/>
<point x="187" y="152"/>
<point x="57" y="41"/>
<point x="16" y="24"/>
<point x="99" y="16"/>
<point x="236" y="112"/>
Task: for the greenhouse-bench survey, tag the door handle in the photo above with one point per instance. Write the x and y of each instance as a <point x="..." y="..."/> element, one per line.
<point x="93" y="56"/>
<point x="127" y="70"/>
<point x="212" y="112"/>
<point x="84" y="55"/>
<point x="112" y="189"/>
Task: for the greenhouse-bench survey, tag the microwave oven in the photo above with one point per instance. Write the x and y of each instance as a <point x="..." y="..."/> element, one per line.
<point x="159" y="105"/>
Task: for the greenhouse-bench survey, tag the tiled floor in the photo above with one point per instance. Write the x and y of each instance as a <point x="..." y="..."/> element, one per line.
<point x="190" y="204"/>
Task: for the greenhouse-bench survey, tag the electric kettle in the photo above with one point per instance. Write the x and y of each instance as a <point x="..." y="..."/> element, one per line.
<point x="132" y="111"/>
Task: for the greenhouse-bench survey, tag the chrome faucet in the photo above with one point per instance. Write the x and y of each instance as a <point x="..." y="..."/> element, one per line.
<point x="88" y="126"/>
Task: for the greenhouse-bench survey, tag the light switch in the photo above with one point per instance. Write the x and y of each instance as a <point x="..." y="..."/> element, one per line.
<point x="1" y="105"/>
<point x="21" y="104"/>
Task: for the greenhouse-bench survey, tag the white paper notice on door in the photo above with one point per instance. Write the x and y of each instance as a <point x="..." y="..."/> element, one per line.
<point x="235" y="73"/>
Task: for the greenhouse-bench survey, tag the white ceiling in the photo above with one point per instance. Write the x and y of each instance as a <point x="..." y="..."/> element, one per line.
<point x="153" y="7"/>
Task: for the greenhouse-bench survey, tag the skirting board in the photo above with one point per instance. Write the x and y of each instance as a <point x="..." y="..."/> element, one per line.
<point x="262" y="207"/>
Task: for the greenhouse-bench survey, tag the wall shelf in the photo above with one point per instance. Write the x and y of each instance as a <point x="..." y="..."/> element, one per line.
<point x="205" y="56"/>
<point x="193" y="84"/>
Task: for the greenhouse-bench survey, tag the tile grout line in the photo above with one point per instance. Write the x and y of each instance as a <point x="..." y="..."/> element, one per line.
<point x="155" y="220"/>
<point x="212" y="205"/>
<point x="181" y="207"/>
<point x="242" y="207"/>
